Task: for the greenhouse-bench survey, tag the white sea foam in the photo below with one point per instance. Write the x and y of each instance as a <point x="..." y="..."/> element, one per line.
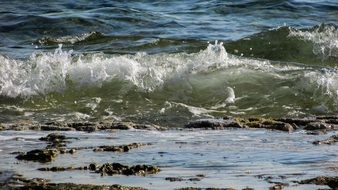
<point x="325" y="80"/>
<point x="199" y="111"/>
<point x="46" y="72"/>
<point x="325" y="39"/>
<point x="51" y="72"/>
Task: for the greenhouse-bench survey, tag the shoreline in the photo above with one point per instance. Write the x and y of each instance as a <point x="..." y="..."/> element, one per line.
<point x="59" y="142"/>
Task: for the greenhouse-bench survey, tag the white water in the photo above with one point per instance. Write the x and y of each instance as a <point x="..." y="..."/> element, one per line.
<point x="325" y="40"/>
<point x="43" y="73"/>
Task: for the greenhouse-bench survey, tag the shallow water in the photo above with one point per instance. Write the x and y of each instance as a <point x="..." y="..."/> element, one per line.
<point x="150" y="61"/>
<point x="227" y="158"/>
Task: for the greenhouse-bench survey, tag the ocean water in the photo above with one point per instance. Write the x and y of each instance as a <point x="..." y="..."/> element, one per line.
<point x="167" y="62"/>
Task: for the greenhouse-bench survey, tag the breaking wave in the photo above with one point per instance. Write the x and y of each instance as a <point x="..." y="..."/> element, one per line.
<point x="43" y="73"/>
<point x="324" y="38"/>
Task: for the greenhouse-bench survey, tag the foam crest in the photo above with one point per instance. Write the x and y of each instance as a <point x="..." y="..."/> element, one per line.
<point x="325" y="80"/>
<point x="49" y="72"/>
<point x="57" y="71"/>
<point x="71" y="39"/>
<point x="324" y="37"/>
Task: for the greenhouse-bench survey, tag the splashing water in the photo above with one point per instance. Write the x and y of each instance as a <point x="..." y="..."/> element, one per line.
<point x="324" y="37"/>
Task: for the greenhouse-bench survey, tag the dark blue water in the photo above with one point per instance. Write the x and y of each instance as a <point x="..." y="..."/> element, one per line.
<point x="151" y="26"/>
<point x="151" y="60"/>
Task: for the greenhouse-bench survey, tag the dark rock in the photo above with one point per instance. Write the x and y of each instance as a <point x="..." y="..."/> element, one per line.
<point x="327" y="117"/>
<point x="17" y="182"/>
<point x="55" y="128"/>
<point x="298" y="121"/>
<point x="84" y="126"/>
<point x="53" y="137"/>
<point x="130" y="125"/>
<point x="209" y="188"/>
<point x="173" y="179"/>
<point x="332" y="182"/>
<point x="119" y="148"/>
<point x="67" y="151"/>
<point x="331" y="140"/>
<point x="277" y="187"/>
<point x="194" y="179"/>
<point x="46" y="155"/>
<point x="200" y="175"/>
<point x="322" y="132"/>
<point x="318" y="126"/>
<point x="117" y="168"/>
<point x="55" y="169"/>
<point x="213" y="124"/>
<point x="265" y="123"/>
<point x="93" y="126"/>
<point x="92" y="167"/>
<point x="61" y="169"/>
<point x="242" y="123"/>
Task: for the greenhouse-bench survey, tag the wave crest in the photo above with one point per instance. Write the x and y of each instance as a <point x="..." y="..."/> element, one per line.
<point x="324" y="38"/>
<point x="49" y="72"/>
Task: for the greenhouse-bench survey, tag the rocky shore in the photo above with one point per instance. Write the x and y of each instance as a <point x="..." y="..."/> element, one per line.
<point x="320" y="124"/>
<point x="57" y="144"/>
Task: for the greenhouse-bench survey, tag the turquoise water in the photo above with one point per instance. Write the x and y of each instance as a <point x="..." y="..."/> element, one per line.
<point x="167" y="62"/>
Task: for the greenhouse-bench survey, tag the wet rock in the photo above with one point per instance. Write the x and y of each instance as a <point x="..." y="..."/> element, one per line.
<point x="213" y="124"/>
<point x="22" y="127"/>
<point x="318" y="126"/>
<point x="332" y="182"/>
<point x="56" y="140"/>
<point x="282" y="124"/>
<point x="46" y="155"/>
<point x="265" y="123"/>
<point x="92" y="167"/>
<point x="83" y="126"/>
<point x="242" y="123"/>
<point x="327" y="117"/>
<point x="331" y="140"/>
<point x="61" y="169"/>
<point x="17" y="182"/>
<point x="119" y="148"/>
<point x="175" y="179"/>
<point x="55" y="128"/>
<point x="297" y="121"/>
<point x="122" y="126"/>
<point x="277" y="187"/>
<point x="316" y="132"/>
<point x="209" y="188"/>
<point x="67" y="151"/>
<point x="200" y="175"/>
<point x="95" y="126"/>
<point x="128" y="126"/>
<point x="117" y="168"/>
<point x="150" y="127"/>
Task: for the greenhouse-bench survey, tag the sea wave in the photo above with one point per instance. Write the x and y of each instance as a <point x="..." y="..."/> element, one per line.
<point x="83" y="38"/>
<point x="324" y="38"/>
<point x="57" y="71"/>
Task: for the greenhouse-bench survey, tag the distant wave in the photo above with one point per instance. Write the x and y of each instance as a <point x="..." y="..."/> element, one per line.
<point x="84" y="38"/>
